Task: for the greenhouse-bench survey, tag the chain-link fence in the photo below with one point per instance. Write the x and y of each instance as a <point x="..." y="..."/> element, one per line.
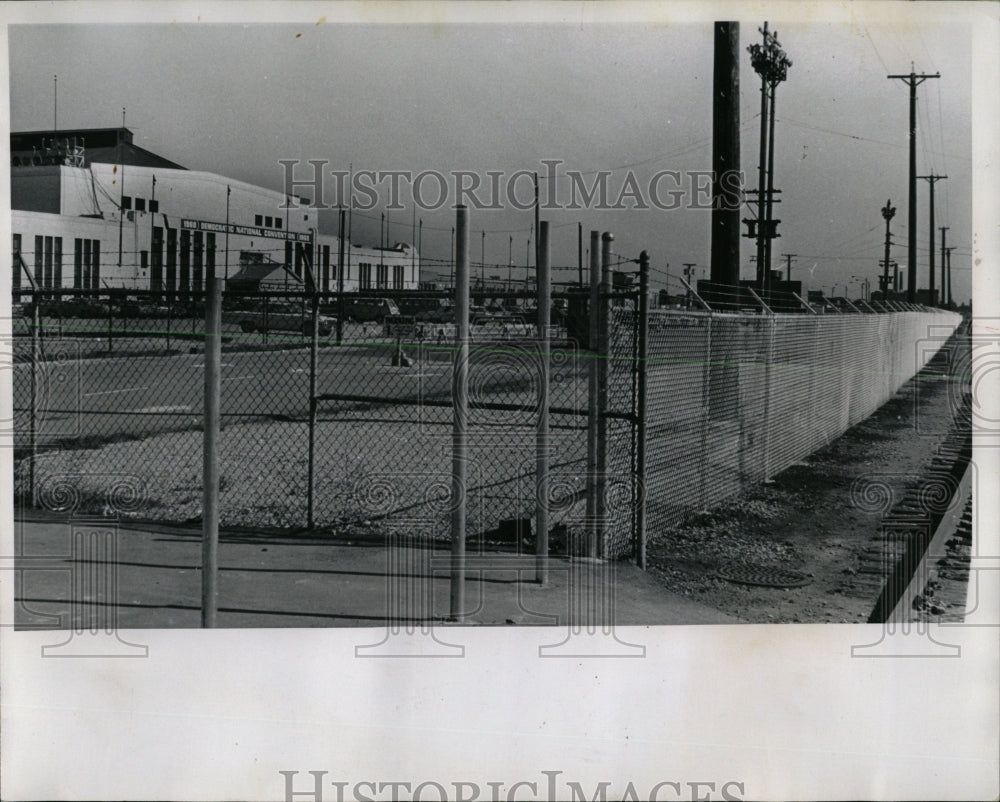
<point x="337" y="410"/>
<point x="734" y="399"/>
<point x="353" y="439"/>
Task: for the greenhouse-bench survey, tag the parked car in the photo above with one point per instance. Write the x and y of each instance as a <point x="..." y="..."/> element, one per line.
<point x="70" y="306"/>
<point x="366" y="310"/>
<point x="282" y="317"/>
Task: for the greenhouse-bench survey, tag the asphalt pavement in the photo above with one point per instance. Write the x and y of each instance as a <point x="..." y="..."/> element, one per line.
<point x="133" y="577"/>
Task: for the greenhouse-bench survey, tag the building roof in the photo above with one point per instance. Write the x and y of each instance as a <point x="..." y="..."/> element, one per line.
<point x="96" y="145"/>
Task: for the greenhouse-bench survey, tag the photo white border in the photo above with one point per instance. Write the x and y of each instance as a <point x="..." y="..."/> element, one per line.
<point x="785" y="710"/>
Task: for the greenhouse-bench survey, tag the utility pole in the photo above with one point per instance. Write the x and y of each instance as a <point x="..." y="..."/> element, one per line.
<point x="535" y="232"/>
<point x="688" y="268"/>
<point x="945" y="298"/>
<point x="121" y="191"/>
<point x="771" y="63"/>
<point x="788" y="265"/>
<point x="510" y="261"/>
<point x="947" y="252"/>
<point x="913" y="81"/>
<point x="888" y="212"/>
<point x="482" y="265"/>
<point x="932" y="180"/>
<point x="579" y="252"/>
<point x="726" y="200"/>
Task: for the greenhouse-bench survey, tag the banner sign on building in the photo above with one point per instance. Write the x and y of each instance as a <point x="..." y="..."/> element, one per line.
<point x="246" y="231"/>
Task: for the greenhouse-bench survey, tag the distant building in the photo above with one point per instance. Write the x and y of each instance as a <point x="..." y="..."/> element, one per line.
<point x="90" y="209"/>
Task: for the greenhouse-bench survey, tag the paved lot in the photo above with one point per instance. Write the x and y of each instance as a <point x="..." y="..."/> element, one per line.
<point x="270" y="580"/>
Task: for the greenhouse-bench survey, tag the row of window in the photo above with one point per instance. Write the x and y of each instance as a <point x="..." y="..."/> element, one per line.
<point x="194" y="267"/>
<point x="47" y="268"/>
<point x="140" y="204"/>
<point x="266" y="221"/>
<point x="179" y="260"/>
<point x="381" y="276"/>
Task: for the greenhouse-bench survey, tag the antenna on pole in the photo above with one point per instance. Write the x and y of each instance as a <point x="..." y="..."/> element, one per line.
<point x="55" y="104"/>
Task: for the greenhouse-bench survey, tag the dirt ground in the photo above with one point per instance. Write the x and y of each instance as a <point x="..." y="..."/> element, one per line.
<point x="805" y="520"/>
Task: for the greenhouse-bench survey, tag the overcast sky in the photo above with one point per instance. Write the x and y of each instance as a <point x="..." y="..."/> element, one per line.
<point x="234" y="99"/>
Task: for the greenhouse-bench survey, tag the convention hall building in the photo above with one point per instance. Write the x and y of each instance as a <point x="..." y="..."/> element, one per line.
<point x="91" y="209"/>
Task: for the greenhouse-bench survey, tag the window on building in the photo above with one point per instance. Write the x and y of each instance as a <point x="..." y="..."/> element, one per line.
<point x="278" y="222"/>
<point x="398" y="279"/>
<point x="258" y="219"/>
<point x="268" y="222"/>
<point x="140" y="204"/>
<point x="48" y="261"/>
<point x="77" y="264"/>
<point x="126" y="201"/>
<point x="184" y="279"/>
<point x="171" y="278"/>
<point x="210" y="255"/>
<point x="288" y="254"/>
<point x="144" y="262"/>
<point x="197" y="281"/>
<point x="300" y="258"/>
<point x="57" y="262"/>
<point x="382" y="277"/>
<point x="154" y="206"/>
<point x="365" y="276"/>
<point x="86" y="264"/>
<point x="85" y="257"/>
<point x="39" y="259"/>
<point x="156" y="270"/>
<point x="326" y="268"/>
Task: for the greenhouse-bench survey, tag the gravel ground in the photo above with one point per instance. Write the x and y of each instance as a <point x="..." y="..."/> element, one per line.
<point x="375" y="468"/>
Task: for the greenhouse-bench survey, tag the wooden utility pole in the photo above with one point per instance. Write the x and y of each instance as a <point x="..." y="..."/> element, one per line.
<point x="725" y="264"/>
<point x="945" y="283"/>
<point x="913" y="81"/>
<point x="788" y="265"/>
<point x="948" y="254"/>
<point x="932" y="180"/>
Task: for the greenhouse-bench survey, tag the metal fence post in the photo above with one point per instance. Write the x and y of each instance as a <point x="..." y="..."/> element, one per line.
<point x="170" y="316"/>
<point x="544" y="292"/>
<point x="768" y="378"/>
<point x="313" y="358"/>
<point x="593" y="393"/>
<point x="36" y="322"/>
<point x="460" y="407"/>
<point x="111" y="320"/>
<point x="340" y="279"/>
<point x="603" y="370"/>
<point x="640" y="468"/>
<point x="708" y="411"/>
<point x="210" y="446"/>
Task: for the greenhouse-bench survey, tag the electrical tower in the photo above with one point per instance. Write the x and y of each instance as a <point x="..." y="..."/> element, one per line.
<point x="771" y="63"/>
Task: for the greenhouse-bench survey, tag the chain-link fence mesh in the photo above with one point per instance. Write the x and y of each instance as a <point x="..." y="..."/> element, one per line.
<point x="620" y="488"/>
<point x="123" y="391"/>
<point x="735" y="399"/>
<point x="117" y="383"/>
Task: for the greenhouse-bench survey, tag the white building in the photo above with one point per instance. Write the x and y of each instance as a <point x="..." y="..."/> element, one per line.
<point x="92" y="210"/>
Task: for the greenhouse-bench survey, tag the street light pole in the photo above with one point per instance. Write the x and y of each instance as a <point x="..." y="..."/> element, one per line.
<point x="888" y="212"/>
